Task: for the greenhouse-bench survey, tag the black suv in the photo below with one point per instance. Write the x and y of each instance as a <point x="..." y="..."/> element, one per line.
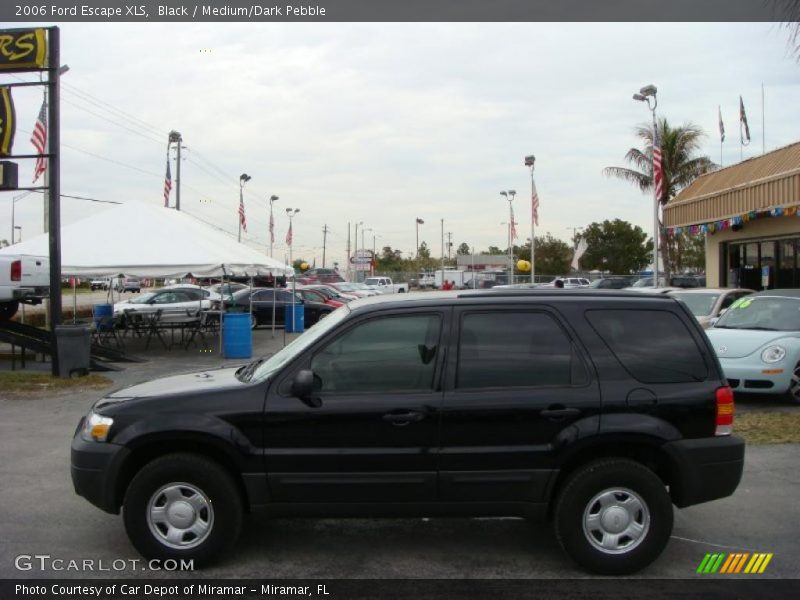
<point x="599" y="410"/>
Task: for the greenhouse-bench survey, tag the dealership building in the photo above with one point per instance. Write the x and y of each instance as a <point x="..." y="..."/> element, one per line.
<point x="749" y="215"/>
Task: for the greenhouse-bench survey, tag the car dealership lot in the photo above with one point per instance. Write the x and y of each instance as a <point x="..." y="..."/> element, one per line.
<point x="43" y="516"/>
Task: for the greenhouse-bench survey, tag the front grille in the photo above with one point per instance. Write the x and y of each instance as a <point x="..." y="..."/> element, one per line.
<point x="734" y="383"/>
<point x="758" y="384"/>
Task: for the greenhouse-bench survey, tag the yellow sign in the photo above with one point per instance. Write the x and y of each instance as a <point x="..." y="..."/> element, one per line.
<point x="23" y="49"/>
<point x="7" y="121"/>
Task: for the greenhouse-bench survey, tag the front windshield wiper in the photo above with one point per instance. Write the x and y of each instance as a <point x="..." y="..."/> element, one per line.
<point x="759" y="328"/>
<point x="246" y="372"/>
<point x="725" y="327"/>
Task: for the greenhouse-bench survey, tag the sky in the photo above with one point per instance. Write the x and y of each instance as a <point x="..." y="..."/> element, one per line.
<point x="381" y="124"/>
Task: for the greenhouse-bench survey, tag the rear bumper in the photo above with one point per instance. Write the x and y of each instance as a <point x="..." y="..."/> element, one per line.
<point x="705" y="469"/>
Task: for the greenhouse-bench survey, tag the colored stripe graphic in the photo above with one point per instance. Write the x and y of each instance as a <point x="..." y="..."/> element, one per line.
<point x="734" y="563"/>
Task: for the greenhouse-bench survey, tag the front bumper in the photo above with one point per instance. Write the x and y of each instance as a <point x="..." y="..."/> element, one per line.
<point x="705" y="469"/>
<point x="746" y="376"/>
<point x="95" y="469"/>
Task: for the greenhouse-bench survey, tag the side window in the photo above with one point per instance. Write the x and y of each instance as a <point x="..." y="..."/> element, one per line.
<point x="263" y="296"/>
<point x="166" y="298"/>
<point x="525" y="349"/>
<point x="729" y="299"/>
<point x="385" y="354"/>
<point x="654" y="346"/>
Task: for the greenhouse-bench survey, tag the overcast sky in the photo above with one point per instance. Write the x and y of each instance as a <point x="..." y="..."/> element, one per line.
<point x="384" y="123"/>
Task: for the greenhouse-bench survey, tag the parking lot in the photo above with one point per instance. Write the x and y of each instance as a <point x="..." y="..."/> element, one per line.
<point x="42" y="514"/>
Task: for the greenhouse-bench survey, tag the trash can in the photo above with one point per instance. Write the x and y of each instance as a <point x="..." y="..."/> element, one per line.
<point x="237" y="337"/>
<point x="296" y="323"/>
<point x="103" y="316"/>
<point x="74" y="343"/>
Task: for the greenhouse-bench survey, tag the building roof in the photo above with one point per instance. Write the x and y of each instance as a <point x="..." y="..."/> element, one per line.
<point x="771" y="180"/>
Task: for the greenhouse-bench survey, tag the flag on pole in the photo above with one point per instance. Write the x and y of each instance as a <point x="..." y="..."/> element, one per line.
<point x="658" y="173"/>
<point x="513" y="226"/>
<point x="534" y="204"/>
<point x="271" y="228"/>
<point x="721" y="126"/>
<point x="420" y="221"/>
<point x="39" y="141"/>
<point x="242" y="219"/>
<point x="744" y="128"/>
<point x="167" y="185"/>
<point x="579" y="251"/>
<point x="289" y="235"/>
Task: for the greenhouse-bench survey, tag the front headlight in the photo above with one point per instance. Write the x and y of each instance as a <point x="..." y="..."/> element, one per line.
<point x="96" y="427"/>
<point x="773" y="354"/>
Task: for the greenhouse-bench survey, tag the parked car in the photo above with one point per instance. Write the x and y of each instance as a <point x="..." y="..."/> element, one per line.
<point x="23" y="278"/>
<point x="263" y="306"/>
<point x="569" y="282"/>
<point x="320" y="276"/>
<point x="227" y="288"/>
<point x="166" y="299"/>
<point x="757" y="341"/>
<point x="98" y="284"/>
<point x="678" y="281"/>
<point x="652" y="290"/>
<point x="611" y="283"/>
<point x="385" y="285"/>
<point x="613" y="409"/>
<point x="312" y="295"/>
<point x="128" y="284"/>
<point x="330" y="291"/>
<point x="355" y="289"/>
<point x="706" y="304"/>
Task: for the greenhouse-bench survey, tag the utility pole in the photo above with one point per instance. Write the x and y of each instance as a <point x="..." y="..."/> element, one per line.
<point x="449" y="243"/>
<point x="324" y="242"/>
<point x="348" y="247"/>
<point x="175" y="137"/>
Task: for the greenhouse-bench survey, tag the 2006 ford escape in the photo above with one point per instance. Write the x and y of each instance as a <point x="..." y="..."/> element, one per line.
<point x="599" y="410"/>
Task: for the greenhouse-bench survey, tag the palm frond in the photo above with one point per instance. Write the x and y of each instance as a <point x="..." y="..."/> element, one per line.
<point x="644" y="181"/>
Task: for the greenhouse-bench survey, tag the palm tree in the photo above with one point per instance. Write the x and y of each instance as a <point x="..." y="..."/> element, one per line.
<point x="680" y="165"/>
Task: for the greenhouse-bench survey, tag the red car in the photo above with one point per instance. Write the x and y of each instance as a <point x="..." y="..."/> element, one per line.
<point x="317" y="296"/>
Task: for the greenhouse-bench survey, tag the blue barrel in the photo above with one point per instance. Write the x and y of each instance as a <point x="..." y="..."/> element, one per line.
<point x="237" y="337"/>
<point x="103" y="316"/>
<point x="296" y="324"/>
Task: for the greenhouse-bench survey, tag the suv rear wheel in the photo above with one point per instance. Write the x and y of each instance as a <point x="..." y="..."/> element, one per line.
<point x="613" y="516"/>
<point x="182" y="506"/>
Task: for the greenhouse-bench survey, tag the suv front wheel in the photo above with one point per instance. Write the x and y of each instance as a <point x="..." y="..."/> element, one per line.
<point x="613" y="516"/>
<point x="182" y="506"/>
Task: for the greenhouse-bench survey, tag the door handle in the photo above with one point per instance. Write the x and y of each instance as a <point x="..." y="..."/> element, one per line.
<point x="560" y="413"/>
<point x="405" y="418"/>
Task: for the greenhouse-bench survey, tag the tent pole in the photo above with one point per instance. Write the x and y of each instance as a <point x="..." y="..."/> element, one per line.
<point x="274" y="293"/>
<point x="221" y="312"/>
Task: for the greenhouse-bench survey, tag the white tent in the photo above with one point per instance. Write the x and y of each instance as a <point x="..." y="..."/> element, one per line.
<point x="140" y="240"/>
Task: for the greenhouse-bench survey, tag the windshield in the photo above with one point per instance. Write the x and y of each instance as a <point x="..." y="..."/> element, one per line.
<point x="279" y="359"/>
<point x="700" y="305"/>
<point x="771" y="313"/>
<point x="644" y="283"/>
<point x="143" y="298"/>
<point x="372" y="281"/>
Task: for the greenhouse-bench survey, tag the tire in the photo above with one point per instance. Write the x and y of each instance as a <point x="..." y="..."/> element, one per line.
<point x="203" y="497"/>
<point x="253" y="322"/>
<point x="613" y="497"/>
<point x="793" y="393"/>
<point x="8" y="309"/>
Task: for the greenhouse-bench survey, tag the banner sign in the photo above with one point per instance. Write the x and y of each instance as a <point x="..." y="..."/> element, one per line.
<point x="8" y="122"/>
<point x="23" y="49"/>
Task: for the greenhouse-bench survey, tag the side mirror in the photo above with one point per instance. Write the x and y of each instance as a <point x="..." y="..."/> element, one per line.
<point x="303" y="388"/>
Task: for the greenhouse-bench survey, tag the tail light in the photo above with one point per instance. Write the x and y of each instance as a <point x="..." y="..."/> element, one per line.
<point x="16" y="270"/>
<point x="725" y="410"/>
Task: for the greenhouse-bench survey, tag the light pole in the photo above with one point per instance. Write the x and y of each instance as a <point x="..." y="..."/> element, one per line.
<point x="644" y="95"/>
<point x="509" y="195"/>
<point x="292" y="213"/>
<point x="243" y="178"/>
<point x="272" y="200"/>
<point x="13" y="211"/>
<point x="530" y="160"/>
<point x="356" y="253"/>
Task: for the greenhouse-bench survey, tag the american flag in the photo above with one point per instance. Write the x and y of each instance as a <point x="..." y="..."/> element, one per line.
<point x="513" y="226"/>
<point x="721" y="126"/>
<point x="744" y="128"/>
<point x="39" y="141"/>
<point x="289" y="235"/>
<point x="420" y="221"/>
<point x="271" y="229"/>
<point x="658" y="172"/>
<point x="167" y="185"/>
<point x="535" y="204"/>
<point x="242" y="219"/>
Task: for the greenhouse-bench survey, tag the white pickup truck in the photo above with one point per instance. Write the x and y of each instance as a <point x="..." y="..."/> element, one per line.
<point x="384" y="285"/>
<point x="23" y="278"/>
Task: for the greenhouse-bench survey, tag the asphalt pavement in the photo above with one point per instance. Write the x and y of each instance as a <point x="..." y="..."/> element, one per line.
<point x="41" y="515"/>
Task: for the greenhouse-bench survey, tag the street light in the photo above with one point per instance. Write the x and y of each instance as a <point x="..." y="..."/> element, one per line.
<point x="644" y="95"/>
<point x="509" y="195"/>
<point x="272" y="200"/>
<point x="291" y="213"/>
<point x="243" y="178"/>
<point x="530" y="161"/>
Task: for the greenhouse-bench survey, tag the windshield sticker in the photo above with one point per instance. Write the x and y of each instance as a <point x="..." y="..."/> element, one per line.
<point x="742" y="303"/>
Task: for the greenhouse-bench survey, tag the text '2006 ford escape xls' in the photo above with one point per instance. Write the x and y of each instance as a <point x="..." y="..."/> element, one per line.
<point x="599" y="410"/>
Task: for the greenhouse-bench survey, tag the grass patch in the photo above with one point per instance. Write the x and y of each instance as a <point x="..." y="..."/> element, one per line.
<point x="22" y="382"/>
<point x="768" y="427"/>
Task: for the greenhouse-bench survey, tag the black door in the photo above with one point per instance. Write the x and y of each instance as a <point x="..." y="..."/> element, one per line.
<point x="516" y="382"/>
<point x="262" y="305"/>
<point x="373" y="438"/>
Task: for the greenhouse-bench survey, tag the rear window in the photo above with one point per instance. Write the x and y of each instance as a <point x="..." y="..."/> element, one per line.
<point x="654" y="346"/>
